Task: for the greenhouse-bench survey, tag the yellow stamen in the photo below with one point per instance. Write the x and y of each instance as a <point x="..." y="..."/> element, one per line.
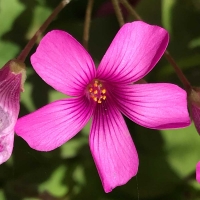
<point x="95" y="98"/>
<point x="103" y="91"/>
<point x="97" y="91"/>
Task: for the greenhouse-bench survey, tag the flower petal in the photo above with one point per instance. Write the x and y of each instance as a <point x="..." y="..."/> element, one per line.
<point x="6" y="146"/>
<point x="198" y="172"/>
<point x="112" y="147"/>
<point x="9" y="109"/>
<point x="54" y="124"/>
<point x="63" y="63"/>
<point x="135" y="50"/>
<point x="9" y="102"/>
<point x="157" y="106"/>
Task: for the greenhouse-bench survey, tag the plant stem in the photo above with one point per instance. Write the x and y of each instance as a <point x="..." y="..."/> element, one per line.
<point x="24" y="53"/>
<point x="118" y="12"/>
<point x="130" y="9"/>
<point x="179" y="72"/>
<point x="86" y="29"/>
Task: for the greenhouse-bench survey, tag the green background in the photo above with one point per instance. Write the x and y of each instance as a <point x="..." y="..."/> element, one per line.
<point x="167" y="158"/>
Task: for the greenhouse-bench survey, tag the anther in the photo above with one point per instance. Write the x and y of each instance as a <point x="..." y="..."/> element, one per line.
<point x="95" y="92"/>
<point x="103" y="91"/>
<point x="104" y="97"/>
<point x="95" y="98"/>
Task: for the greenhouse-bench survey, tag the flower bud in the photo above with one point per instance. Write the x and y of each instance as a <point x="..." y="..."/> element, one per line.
<point x="194" y="101"/>
<point x="12" y="77"/>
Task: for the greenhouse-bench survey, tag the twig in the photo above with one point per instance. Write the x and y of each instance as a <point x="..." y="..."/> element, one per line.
<point x="24" y="53"/>
<point x="86" y="29"/>
<point x="118" y="12"/>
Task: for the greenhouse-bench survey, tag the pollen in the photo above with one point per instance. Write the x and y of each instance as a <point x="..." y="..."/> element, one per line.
<point x="103" y="91"/>
<point x="97" y="91"/>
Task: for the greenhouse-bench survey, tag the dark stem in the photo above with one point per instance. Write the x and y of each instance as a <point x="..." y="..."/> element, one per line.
<point x="130" y="9"/>
<point x="24" y="53"/>
<point x="86" y="29"/>
<point x="118" y="12"/>
<point x="179" y="72"/>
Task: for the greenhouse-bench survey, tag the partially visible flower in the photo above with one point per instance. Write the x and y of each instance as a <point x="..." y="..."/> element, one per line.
<point x="106" y="8"/>
<point x="198" y="172"/>
<point x="194" y="101"/>
<point x="12" y="76"/>
<point x="103" y="94"/>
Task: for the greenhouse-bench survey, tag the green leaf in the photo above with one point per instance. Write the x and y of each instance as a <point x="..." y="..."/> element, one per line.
<point x="182" y="147"/>
<point x="167" y="8"/>
<point x="54" y="184"/>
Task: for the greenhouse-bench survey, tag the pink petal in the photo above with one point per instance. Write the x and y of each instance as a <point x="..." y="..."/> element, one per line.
<point x="112" y="147"/>
<point x="198" y="172"/>
<point x="10" y="94"/>
<point x="63" y="63"/>
<point x="54" y="124"/>
<point x="196" y="116"/>
<point x="9" y="109"/>
<point x="6" y="146"/>
<point x="157" y="106"/>
<point x="135" y="50"/>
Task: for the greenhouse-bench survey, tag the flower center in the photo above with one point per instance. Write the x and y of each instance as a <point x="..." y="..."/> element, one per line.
<point x="97" y="91"/>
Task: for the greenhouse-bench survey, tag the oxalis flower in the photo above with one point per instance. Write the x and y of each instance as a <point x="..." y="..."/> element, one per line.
<point x="12" y="77"/>
<point x="103" y="94"/>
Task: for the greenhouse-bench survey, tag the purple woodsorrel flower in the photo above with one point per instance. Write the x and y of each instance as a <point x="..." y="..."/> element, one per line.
<point x="103" y="94"/>
<point x="12" y="76"/>
<point x="198" y="172"/>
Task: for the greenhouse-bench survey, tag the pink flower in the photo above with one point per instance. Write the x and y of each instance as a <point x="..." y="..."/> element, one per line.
<point x="198" y="172"/>
<point x="103" y="94"/>
<point x="11" y="80"/>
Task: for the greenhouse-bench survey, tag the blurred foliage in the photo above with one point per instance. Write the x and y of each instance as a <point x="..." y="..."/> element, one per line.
<point x="167" y="158"/>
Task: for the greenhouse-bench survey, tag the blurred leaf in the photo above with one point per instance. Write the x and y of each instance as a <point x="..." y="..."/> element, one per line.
<point x="8" y="50"/>
<point x="54" y="184"/>
<point x="194" y="43"/>
<point x="40" y="14"/>
<point x="55" y="95"/>
<point x="71" y="148"/>
<point x="14" y="8"/>
<point x="185" y="63"/>
<point x="2" y="196"/>
<point x="167" y="7"/>
<point x="182" y="147"/>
